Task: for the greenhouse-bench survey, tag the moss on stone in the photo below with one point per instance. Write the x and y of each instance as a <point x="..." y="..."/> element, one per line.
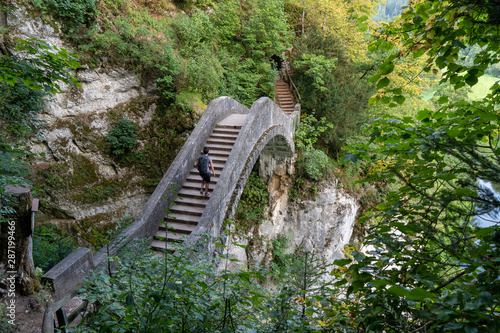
<point x="98" y="230"/>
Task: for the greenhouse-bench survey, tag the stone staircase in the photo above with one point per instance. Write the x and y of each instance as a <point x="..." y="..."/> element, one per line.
<point x="189" y="206"/>
<point x="284" y="97"/>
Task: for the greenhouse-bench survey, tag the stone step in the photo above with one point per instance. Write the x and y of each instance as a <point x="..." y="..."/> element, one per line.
<point x="180" y="228"/>
<point x="224" y="136"/>
<point x="219" y="147"/>
<point x="157" y="244"/>
<point x="186" y="209"/>
<point x="221" y="141"/>
<point x="185" y="214"/>
<point x="227" y="127"/>
<point x="226" y="131"/>
<point x="182" y="218"/>
<point x="192" y="193"/>
<point x="169" y="236"/>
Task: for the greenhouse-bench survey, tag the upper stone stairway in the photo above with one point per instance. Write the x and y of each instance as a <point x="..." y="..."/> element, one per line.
<point x="187" y="209"/>
<point x="284" y="97"/>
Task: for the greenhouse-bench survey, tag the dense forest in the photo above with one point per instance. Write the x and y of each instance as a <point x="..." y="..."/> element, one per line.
<point x="389" y="105"/>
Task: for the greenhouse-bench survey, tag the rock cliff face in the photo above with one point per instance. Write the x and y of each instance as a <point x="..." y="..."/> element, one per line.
<point x="323" y="225"/>
<point x="83" y="181"/>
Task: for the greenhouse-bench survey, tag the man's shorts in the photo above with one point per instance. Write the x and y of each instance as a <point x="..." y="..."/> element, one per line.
<point x="205" y="177"/>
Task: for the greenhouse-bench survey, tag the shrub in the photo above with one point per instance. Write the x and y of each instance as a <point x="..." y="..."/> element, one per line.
<point x="315" y="163"/>
<point x="252" y="204"/>
<point x="19" y="106"/>
<point x="282" y="260"/>
<point x="100" y="236"/>
<point x="5" y="326"/>
<point x="122" y="137"/>
<point x="73" y="13"/>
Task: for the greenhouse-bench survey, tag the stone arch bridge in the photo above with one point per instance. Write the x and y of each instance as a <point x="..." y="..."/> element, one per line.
<point x="264" y="132"/>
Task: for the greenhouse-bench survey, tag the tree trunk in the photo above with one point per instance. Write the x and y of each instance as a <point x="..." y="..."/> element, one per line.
<point x="16" y="242"/>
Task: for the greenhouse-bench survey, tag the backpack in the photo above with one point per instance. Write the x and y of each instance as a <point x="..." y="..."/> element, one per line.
<point x="203" y="164"/>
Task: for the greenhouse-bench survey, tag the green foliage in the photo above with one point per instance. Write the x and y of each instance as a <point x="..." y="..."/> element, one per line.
<point x="281" y="259"/>
<point x="100" y="236"/>
<point x="194" y="4"/>
<point x="98" y="193"/>
<point x="340" y="97"/>
<point x="5" y="326"/>
<point x="197" y="296"/>
<point x="315" y="164"/>
<point x="19" y="106"/>
<point x="316" y="67"/>
<point x="441" y="30"/>
<point x="251" y="209"/>
<point x="312" y="162"/>
<point x="42" y="66"/>
<point x="446" y="279"/>
<point x="194" y="32"/>
<point x="146" y="287"/>
<point x="122" y="137"/>
<point x="50" y="247"/>
<point x="167" y="131"/>
<point x="204" y="74"/>
<point x="266" y="31"/>
<point x="72" y="13"/>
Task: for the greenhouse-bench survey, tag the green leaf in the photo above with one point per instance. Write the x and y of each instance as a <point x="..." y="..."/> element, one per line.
<point x="443" y="100"/>
<point x="419" y="294"/>
<point x="374" y="78"/>
<point x="383" y="83"/>
<point x="342" y="262"/>
<point x="380" y="282"/>
<point x="397" y="291"/>
<point x="350" y="157"/>
<point x="399" y="99"/>
<point x="471" y="80"/>
<point x="386" y="68"/>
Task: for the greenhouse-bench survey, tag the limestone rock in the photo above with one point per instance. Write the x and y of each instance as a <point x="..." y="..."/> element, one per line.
<point x="323" y="225"/>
